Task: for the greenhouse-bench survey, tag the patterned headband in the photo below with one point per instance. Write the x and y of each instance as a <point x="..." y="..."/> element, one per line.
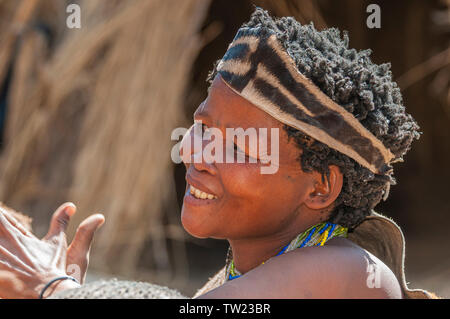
<point x="258" y="68"/>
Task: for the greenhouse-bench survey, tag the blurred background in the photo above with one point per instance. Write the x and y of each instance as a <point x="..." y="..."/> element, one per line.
<point x="86" y="116"/>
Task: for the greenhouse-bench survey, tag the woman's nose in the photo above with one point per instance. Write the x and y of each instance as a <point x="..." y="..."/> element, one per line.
<point x="191" y="151"/>
<point x="187" y="146"/>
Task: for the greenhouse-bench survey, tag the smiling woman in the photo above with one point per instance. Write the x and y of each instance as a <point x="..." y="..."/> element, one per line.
<point x="261" y="214"/>
<point x="341" y="118"/>
<point x="308" y="229"/>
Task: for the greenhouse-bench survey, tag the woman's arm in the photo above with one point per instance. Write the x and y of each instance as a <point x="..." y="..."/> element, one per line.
<point x="27" y="263"/>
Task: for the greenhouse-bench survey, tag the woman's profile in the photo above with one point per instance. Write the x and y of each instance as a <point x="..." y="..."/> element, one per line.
<point x="305" y="229"/>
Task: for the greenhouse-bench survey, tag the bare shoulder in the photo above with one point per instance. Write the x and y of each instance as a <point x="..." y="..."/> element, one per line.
<point x="342" y="269"/>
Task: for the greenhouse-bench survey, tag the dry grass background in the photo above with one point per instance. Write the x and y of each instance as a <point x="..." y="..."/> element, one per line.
<point x="90" y="113"/>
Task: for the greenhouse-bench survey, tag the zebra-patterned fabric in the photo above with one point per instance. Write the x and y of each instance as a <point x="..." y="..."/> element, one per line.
<point x="257" y="67"/>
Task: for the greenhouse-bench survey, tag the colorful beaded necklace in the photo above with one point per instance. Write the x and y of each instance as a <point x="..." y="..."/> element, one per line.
<point x="316" y="235"/>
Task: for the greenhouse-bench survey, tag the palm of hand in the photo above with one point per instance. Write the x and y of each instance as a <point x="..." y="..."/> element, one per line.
<point x="28" y="263"/>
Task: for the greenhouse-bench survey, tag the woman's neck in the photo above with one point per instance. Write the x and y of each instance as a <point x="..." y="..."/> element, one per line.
<point x="251" y="252"/>
<point x="248" y="254"/>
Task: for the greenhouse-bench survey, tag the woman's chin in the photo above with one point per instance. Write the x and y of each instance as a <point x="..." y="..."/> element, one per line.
<point x="199" y="216"/>
<point x="195" y="224"/>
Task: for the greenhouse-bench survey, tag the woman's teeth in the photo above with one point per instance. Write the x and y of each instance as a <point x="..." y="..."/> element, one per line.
<point x="200" y="194"/>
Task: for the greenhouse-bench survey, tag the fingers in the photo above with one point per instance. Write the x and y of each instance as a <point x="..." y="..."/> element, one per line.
<point x="12" y="243"/>
<point x="78" y="252"/>
<point x="14" y="222"/>
<point x="11" y="262"/>
<point x="6" y="228"/>
<point x="85" y="233"/>
<point x="60" y="219"/>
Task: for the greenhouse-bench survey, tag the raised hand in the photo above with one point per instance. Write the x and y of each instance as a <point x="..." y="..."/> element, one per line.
<point x="27" y="263"/>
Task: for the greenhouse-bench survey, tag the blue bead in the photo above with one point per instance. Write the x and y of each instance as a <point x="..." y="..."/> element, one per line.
<point x="282" y="251"/>
<point x="329" y="233"/>
<point x="308" y="238"/>
<point x="323" y="229"/>
<point x="233" y="277"/>
<point x="332" y="229"/>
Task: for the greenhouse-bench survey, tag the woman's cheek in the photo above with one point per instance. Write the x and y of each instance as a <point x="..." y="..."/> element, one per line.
<point x="242" y="179"/>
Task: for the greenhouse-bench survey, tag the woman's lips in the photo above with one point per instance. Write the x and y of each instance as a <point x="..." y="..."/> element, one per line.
<point x="196" y="197"/>
<point x="197" y="193"/>
<point x="198" y="186"/>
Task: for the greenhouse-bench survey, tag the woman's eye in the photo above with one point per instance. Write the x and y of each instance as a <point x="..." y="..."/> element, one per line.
<point x="237" y="149"/>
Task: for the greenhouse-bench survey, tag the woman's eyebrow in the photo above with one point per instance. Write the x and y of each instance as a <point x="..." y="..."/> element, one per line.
<point x="201" y="112"/>
<point x="204" y="114"/>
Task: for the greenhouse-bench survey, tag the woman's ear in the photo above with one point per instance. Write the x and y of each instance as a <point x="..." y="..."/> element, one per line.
<point x="325" y="190"/>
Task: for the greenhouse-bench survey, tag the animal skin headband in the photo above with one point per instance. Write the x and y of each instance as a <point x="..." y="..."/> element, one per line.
<point x="257" y="67"/>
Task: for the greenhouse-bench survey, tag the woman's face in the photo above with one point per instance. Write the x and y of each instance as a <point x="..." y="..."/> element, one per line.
<point x="246" y="203"/>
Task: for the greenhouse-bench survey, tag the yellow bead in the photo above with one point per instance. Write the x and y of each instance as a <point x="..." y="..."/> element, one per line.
<point x="325" y="236"/>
